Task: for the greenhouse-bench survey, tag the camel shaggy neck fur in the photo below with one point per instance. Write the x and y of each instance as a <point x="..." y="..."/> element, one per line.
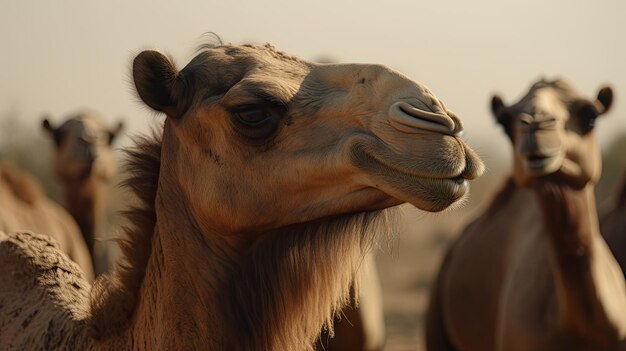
<point x="271" y="180"/>
<point x="533" y="272"/>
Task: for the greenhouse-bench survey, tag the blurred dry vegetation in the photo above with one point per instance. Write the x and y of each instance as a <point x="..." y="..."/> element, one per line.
<point x="406" y="267"/>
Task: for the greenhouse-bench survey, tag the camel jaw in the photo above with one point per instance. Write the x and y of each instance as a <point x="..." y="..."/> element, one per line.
<point x="429" y="193"/>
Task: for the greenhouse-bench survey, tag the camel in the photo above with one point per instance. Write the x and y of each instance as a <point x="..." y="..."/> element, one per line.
<point x="613" y="227"/>
<point x="533" y="272"/>
<point x="84" y="164"/>
<point x="24" y="206"/>
<point x="270" y="180"/>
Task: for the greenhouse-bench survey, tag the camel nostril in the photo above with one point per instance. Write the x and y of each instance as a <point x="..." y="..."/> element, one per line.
<point x="410" y="119"/>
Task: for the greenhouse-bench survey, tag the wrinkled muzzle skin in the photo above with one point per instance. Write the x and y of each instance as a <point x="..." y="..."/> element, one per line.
<point x="337" y="138"/>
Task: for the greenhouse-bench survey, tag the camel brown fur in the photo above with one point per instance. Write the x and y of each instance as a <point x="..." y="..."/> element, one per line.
<point x="613" y="227"/>
<point x="533" y="272"/>
<point x="260" y="198"/>
<point x="24" y="206"/>
<point x="84" y="164"/>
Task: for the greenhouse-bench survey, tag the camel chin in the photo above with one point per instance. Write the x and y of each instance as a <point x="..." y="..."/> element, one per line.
<point x="427" y="194"/>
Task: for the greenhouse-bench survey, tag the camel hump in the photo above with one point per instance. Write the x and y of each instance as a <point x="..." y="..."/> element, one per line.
<point x="43" y="295"/>
<point x="22" y="184"/>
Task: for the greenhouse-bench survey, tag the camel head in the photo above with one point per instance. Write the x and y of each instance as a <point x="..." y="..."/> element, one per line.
<point x="83" y="147"/>
<point x="552" y="132"/>
<point x="257" y="139"/>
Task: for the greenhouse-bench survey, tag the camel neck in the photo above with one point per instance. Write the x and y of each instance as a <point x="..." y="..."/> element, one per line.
<point x="576" y="253"/>
<point x="178" y="307"/>
<point x="571" y="222"/>
<point x="84" y="199"/>
<point x="202" y="292"/>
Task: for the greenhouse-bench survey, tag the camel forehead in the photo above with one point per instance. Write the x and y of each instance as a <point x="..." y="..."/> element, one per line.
<point x="83" y="125"/>
<point x="548" y="99"/>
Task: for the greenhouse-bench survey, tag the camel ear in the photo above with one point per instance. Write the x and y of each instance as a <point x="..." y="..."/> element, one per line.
<point x="53" y="131"/>
<point x="605" y="100"/>
<point x="47" y="126"/>
<point x="503" y="117"/>
<point x="158" y="83"/>
<point x="113" y="132"/>
<point x="497" y="106"/>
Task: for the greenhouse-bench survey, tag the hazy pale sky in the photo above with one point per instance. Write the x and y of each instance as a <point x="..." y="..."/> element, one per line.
<point x="61" y="56"/>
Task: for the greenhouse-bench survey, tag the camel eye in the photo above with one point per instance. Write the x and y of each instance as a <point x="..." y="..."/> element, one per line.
<point x="254" y="122"/>
<point x="253" y="116"/>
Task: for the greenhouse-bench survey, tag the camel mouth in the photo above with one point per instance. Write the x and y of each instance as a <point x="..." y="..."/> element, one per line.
<point x="428" y="193"/>
<point x="542" y="164"/>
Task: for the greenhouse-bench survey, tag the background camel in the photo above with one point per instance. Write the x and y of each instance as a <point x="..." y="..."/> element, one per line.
<point x="533" y="272"/>
<point x="84" y="164"/>
<point x="24" y="206"/>
<point x="259" y="203"/>
<point x="613" y="227"/>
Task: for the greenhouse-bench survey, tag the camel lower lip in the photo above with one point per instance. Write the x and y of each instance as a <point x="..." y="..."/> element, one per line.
<point x="444" y="192"/>
<point x="455" y="185"/>
<point x="431" y="194"/>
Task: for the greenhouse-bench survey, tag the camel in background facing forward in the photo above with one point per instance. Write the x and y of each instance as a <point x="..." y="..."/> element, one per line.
<point x="260" y="198"/>
<point x="84" y="163"/>
<point x="533" y="273"/>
